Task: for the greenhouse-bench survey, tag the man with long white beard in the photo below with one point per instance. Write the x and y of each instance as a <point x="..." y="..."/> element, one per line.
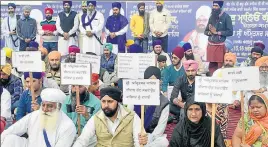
<point x="262" y="63"/>
<point x="47" y="127"/>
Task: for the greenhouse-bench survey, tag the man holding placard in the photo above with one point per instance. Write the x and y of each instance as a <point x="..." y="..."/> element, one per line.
<point x="89" y="105"/>
<point x="156" y="117"/>
<point x="184" y="85"/>
<point x="114" y="125"/>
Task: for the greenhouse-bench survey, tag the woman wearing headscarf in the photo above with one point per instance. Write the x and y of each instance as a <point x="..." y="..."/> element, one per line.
<point x="256" y="123"/>
<point x="195" y="129"/>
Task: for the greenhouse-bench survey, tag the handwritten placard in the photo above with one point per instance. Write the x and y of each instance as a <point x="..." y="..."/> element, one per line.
<point x="3" y="57"/>
<point x="132" y="66"/>
<point x="141" y="92"/>
<point x="213" y="90"/>
<point x="75" y="74"/>
<point x="94" y="60"/>
<point x="243" y="78"/>
<point x="28" y="61"/>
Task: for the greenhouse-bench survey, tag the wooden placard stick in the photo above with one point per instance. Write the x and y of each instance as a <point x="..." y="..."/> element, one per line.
<point x="213" y="125"/>
<point x="242" y="116"/>
<point x="78" y="115"/>
<point x="32" y="88"/>
<point x="142" y="121"/>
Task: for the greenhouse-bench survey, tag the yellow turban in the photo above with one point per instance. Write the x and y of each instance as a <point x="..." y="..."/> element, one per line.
<point x="6" y="69"/>
<point x="8" y="51"/>
<point x="129" y="42"/>
<point x="230" y="56"/>
<point x="43" y="50"/>
<point x="161" y="2"/>
<point x="54" y="55"/>
<point x="261" y="61"/>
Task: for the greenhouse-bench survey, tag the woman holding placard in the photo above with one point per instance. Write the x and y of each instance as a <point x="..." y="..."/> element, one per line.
<point x="195" y="129"/>
<point x="256" y="123"/>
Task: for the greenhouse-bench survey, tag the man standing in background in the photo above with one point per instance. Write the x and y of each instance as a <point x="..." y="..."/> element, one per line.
<point x="8" y="28"/>
<point x="160" y="20"/>
<point x="139" y="25"/>
<point x="67" y="25"/>
<point x="26" y="28"/>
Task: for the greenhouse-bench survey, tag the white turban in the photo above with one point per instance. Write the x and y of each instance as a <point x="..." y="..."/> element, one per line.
<point x="29" y="8"/>
<point x="53" y="95"/>
<point x="203" y="11"/>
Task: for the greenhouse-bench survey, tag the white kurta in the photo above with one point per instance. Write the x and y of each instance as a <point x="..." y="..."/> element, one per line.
<point x="91" y="44"/>
<point x="5" y="104"/>
<point x="63" y="136"/>
<point x="5" y="32"/>
<point x="63" y="45"/>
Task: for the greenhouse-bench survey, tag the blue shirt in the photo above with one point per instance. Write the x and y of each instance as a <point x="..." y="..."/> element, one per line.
<point x="108" y="64"/>
<point x="25" y="103"/>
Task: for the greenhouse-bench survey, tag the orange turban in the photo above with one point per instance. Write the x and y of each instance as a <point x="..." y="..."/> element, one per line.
<point x="230" y="56"/>
<point x="43" y="50"/>
<point x="261" y="61"/>
<point x="6" y="69"/>
<point x="54" y="55"/>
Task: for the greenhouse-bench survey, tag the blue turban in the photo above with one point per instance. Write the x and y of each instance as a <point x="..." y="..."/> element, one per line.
<point x="33" y="44"/>
<point x="94" y="3"/>
<point x="36" y="75"/>
<point x="187" y="46"/>
<point x="229" y="44"/>
<point x="220" y="3"/>
<point x="117" y="5"/>
<point x="69" y="2"/>
<point x="11" y="5"/>
<point x="257" y="49"/>
<point x="134" y="48"/>
<point x="157" y="42"/>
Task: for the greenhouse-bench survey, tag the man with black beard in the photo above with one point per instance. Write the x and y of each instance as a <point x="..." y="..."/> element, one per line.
<point x="8" y="28"/>
<point x="48" y="32"/>
<point x="256" y="53"/>
<point x="139" y="25"/>
<point x="114" y="125"/>
<point x="196" y="37"/>
<point x="160" y="21"/>
<point x="189" y="55"/>
<point x="219" y="27"/>
<point x="89" y="105"/>
<point x="67" y="24"/>
<point x="184" y="85"/>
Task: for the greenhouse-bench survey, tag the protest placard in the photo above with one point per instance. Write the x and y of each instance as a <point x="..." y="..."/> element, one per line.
<point x="93" y="59"/>
<point x="213" y="90"/>
<point x="141" y="92"/>
<point x="3" y="57"/>
<point x="28" y="61"/>
<point x="75" y="74"/>
<point x="132" y="66"/>
<point x="243" y="78"/>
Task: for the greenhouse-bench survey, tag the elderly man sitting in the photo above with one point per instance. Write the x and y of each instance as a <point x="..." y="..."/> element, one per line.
<point x="47" y="127"/>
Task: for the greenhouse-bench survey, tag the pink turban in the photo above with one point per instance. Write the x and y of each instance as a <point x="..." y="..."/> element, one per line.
<point x="190" y="63"/>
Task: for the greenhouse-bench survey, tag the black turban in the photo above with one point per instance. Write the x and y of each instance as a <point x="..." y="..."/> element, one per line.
<point x="112" y="92"/>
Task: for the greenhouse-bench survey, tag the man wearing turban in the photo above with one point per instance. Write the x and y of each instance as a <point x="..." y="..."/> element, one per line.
<point x="46" y="127"/>
<point x="89" y="105"/>
<point x="26" y="28"/>
<point x="224" y="111"/>
<point x="91" y="25"/>
<point x="173" y="71"/>
<point x="116" y="28"/>
<point x="9" y="27"/>
<point x="139" y="25"/>
<point x="262" y="46"/>
<point x="158" y="50"/>
<point x="219" y="27"/>
<point x="108" y="58"/>
<point x="196" y="37"/>
<point x="160" y="21"/>
<point x="112" y="115"/>
<point x="256" y="53"/>
<point x="262" y="63"/>
<point x="67" y="24"/>
<point x="48" y="31"/>
<point x="73" y="50"/>
<point x="190" y="55"/>
<point x="12" y="84"/>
